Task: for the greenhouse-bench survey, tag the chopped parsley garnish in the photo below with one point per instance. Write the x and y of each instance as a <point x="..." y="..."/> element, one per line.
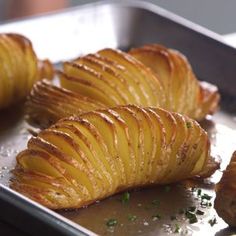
<point x="188" y="124"/>
<point x="213" y="221"/>
<point x="132" y="217"/>
<point x="205" y="203"/>
<point x="191" y="217"/>
<point x="112" y="222"/>
<point x="192" y="208"/>
<point x="199" y="212"/>
<point x="177" y="228"/>
<point x="206" y="197"/>
<point x="156" y="217"/>
<point x="125" y="197"/>
<point x="199" y="192"/>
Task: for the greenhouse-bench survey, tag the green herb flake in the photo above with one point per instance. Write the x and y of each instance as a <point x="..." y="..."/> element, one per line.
<point x="188" y="124"/>
<point x="193" y="220"/>
<point x="132" y="218"/>
<point x="199" y="192"/>
<point x="112" y="222"/>
<point x="192" y="208"/>
<point x="213" y="221"/>
<point x="125" y="197"/>
<point x="191" y="217"/>
<point x="206" y="203"/>
<point x="173" y="218"/>
<point x="156" y="217"/>
<point x="167" y="189"/>
<point x="177" y="228"/>
<point x="156" y="202"/>
<point x="206" y="197"/>
<point x="200" y="213"/>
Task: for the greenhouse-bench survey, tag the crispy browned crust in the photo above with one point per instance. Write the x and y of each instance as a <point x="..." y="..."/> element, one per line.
<point x="225" y="202"/>
<point x="48" y="103"/>
<point x="85" y="158"/>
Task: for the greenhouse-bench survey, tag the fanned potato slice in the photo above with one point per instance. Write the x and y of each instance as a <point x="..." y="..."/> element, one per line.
<point x="98" y="147"/>
<point x="136" y="141"/>
<point x="175" y="157"/>
<point x="162" y="66"/>
<point x="19" y="69"/>
<point x="58" y="160"/>
<point x="92" y="78"/>
<point x="129" y="81"/>
<point x="86" y="89"/>
<point x="146" y="142"/>
<point x="48" y="103"/>
<point x="72" y="161"/>
<point x="103" y="152"/>
<point x="189" y="147"/>
<point x="110" y="134"/>
<point x="149" y="85"/>
<point x="183" y="92"/>
<point x="124" y="150"/>
<point x="158" y="164"/>
<point x="225" y="201"/>
<point x="110" y="76"/>
<point x="44" y="188"/>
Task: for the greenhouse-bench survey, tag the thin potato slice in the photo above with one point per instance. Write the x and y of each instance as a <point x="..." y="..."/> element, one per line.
<point x="137" y="136"/>
<point x="48" y="103"/>
<point x="110" y="76"/>
<point x="184" y="93"/>
<point x="149" y="84"/>
<point x="92" y="78"/>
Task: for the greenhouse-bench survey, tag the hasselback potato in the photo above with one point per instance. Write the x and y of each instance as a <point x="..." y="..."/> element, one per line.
<point x="225" y="201"/>
<point x="113" y="77"/>
<point x="184" y="93"/>
<point x="82" y="159"/>
<point x="19" y="68"/>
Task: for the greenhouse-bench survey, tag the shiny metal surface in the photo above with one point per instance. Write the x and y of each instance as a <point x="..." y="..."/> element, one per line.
<point x="87" y="29"/>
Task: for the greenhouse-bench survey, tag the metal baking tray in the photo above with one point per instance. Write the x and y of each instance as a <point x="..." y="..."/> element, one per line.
<point x="122" y="24"/>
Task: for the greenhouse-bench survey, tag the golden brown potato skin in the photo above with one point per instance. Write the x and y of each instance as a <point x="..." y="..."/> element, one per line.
<point x="225" y="202"/>
<point x="184" y="93"/>
<point x="160" y="77"/>
<point x="86" y="158"/>
<point x="47" y="103"/>
<point x="19" y="68"/>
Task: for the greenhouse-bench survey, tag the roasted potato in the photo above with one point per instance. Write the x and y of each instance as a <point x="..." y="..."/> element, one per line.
<point x="82" y="159"/>
<point x="183" y="92"/>
<point x="19" y="68"/>
<point x="113" y="77"/>
<point x="225" y="201"/>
